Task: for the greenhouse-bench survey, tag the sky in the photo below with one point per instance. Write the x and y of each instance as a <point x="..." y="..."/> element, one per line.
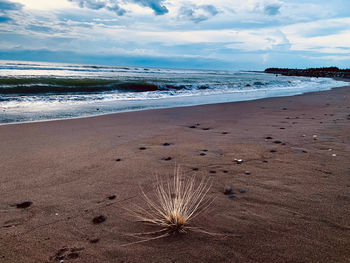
<point x="207" y="34"/>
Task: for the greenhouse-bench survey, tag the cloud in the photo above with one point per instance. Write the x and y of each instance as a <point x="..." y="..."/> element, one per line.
<point x="97" y="5"/>
<point x="114" y="5"/>
<point x="6" y="5"/>
<point x="198" y="13"/>
<point x="42" y="29"/>
<point x="272" y="9"/>
<point x="157" y="5"/>
<point x="4" y="19"/>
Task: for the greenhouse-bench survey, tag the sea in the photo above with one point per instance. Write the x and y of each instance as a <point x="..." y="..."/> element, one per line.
<point x="40" y="91"/>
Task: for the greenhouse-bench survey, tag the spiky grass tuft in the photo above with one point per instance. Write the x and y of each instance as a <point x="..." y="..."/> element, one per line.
<point x="175" y="203"/>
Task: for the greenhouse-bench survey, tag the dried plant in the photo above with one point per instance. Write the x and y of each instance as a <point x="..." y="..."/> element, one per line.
<point x="176" y="201"/>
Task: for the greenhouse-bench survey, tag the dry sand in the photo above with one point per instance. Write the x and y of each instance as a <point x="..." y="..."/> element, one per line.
<point x="296" y="207"/>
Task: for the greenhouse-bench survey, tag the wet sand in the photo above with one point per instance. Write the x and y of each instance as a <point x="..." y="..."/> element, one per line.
<point x="295" y="173"/>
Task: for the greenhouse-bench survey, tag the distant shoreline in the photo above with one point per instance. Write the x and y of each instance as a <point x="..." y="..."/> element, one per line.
<point x="329" y="72"/>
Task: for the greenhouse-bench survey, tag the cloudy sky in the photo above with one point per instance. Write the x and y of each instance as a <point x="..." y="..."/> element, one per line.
<point x="214" y="34"/>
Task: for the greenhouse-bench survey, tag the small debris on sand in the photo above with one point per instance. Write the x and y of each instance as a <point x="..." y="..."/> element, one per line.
<point x="232" y="196"/>
<point x="94" y="240"/>
<point x="227" y="190"/>
<point x="98" y="219"/>
<point x="25" y="204"/>
<point x="112" y="197"/>
<point x="238" y="161"/>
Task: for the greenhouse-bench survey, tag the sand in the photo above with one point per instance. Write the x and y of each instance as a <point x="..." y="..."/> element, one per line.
<point x="296" y="205"/>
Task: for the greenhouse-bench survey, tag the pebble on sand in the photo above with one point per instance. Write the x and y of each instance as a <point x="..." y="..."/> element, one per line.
<point x="227" y="190"/>
<point x="94" y="240"/>
<point x="247" y="172"/>
<point x="112" y="197"/>
<point x="25" y="204"/>
<point x="166" y="144"/>
<point x="232" y="196"/>
<point x="98" y="219"/>
<point x="202" y="154"/>
<point x="142" y="148"/>
<point x="268" y="138"/>
<point x="238" y="161"/>
<point x="167" y="159"/>
<point x="212" y="171"/>
<point x="242" y="191"/>
<point x="277" y="141"/>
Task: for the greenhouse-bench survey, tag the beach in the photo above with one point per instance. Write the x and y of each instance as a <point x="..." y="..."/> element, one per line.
<point x="292" y="187"/>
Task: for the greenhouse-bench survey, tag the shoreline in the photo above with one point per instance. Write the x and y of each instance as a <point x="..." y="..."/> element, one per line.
<point x="173" y="107"/>
<point x="294" y="206"/>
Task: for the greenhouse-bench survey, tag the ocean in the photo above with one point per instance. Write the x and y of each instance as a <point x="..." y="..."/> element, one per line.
<point x="38" y="91"/>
